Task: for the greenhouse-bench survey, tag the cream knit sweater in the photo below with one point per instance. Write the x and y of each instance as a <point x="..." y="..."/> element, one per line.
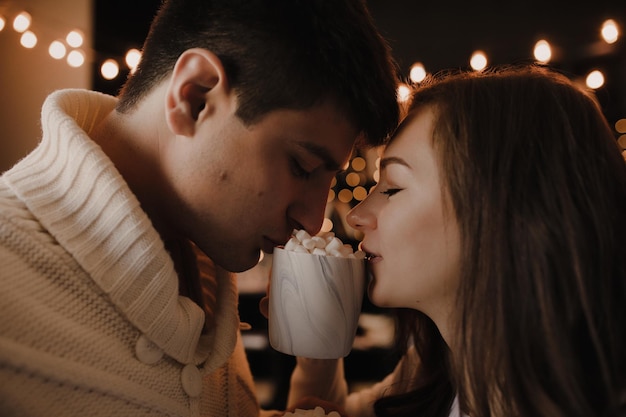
<point x="91" y="322"/>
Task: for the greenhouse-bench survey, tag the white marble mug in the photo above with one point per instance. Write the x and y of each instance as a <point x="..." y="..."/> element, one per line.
<point x="314" y="303"/>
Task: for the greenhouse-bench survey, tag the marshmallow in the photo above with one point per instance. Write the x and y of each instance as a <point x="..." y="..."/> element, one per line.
<point x="323" y="244"/>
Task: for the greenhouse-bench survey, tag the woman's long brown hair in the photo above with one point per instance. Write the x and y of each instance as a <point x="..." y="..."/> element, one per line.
<point x="538" y="185"/>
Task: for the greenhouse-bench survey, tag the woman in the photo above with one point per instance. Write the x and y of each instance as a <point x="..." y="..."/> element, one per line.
<point x="497" y="230"/>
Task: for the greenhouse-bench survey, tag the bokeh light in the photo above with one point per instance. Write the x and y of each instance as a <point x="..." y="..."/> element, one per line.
<point x="478" y="61"/>
<point x="542" y="51"/>
<point x="358" y="164"/>
<point x="109" y="69"/>
<point x="610" y="31"/>
<point x="28" y="39"/>
<point x="57" y="50"/>
<point x="595" y="79"/>
<point x="417" y="72"/>
<point x="22" y="22"/>
<point x="404" y="93"/>
<point x="76" y="58"/>
<point x="132" y="58"/>
<point x="75" y="38"/>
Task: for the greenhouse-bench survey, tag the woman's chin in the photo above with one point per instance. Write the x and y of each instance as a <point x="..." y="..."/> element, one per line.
<point x="375" y="297"/>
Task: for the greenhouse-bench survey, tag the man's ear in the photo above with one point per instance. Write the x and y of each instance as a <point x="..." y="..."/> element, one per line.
<point x="197" y="83"/>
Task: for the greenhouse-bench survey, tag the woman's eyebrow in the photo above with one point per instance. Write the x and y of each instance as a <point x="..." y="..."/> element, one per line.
<point x="392" y="160"/>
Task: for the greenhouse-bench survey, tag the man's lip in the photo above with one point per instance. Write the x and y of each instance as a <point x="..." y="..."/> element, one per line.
<point x="269" y="244"/>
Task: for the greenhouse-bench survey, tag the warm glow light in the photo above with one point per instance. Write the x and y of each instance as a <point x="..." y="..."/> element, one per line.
<point x="358" y="164"/>
<point x="542" y="51"/>
<point x="109" y="69"/>
<point x="74" y="39"/>
<point x="57" y="50"/>
<point x="620" y="126"/>
<point x="28" y="39"/>
<point x="610" y="31"/>
<point x="133" y="56"/>
<point x="418" y="72"/>
<point x="331" y="195"/>
<point x="359" y="193"/>
<point x="478" y="61"/>
<point x="22" y="22"/>
<point x="595" y="79"/>
<point x="327" y="225"/>
<point x="2" y="23"/>
<point x="75" y="58"/>
<point x="345" y="195"/>
<point x="376" y="176"/>
<point x="353" y="179"/>
<point x="404" y="92"/>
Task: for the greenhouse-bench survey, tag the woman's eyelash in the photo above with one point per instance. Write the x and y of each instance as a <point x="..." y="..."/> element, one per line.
<point x="391" y="191"/>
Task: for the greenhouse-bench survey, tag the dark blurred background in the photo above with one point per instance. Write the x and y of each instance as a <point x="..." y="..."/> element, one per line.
<point x="441" y="35"/>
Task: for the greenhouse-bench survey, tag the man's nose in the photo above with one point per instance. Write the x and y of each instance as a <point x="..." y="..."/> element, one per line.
<point x="308" y="212"/>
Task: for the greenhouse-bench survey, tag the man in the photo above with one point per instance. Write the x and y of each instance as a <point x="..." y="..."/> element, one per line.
<point x="224" y="140"/>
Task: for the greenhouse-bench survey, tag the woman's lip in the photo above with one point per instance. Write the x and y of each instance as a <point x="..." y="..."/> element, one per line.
<point x="370" y="256"/>
<point x="372" y="259"/>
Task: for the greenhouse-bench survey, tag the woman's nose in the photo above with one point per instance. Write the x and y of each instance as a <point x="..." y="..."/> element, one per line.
<point x="360" y="217"/>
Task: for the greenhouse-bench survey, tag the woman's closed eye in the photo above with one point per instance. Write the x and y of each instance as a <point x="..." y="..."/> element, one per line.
<point x="391" y="191"/>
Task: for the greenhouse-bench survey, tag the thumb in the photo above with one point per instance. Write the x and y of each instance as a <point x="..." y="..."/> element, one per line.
<point x="265" y="302"/>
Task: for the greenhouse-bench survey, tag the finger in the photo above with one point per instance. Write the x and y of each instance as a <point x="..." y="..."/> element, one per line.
<point x="264" y="306"/>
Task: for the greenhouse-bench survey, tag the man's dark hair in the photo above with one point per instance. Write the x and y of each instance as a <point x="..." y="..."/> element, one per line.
<point x="280" y="54"/>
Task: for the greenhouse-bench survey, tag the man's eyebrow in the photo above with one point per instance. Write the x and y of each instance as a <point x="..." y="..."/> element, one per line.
<point x="393" y="160"/>
<point x="322" y="153"/>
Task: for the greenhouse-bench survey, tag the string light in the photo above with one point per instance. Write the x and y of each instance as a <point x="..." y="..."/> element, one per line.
<point x="57" y="50"/>
<point x="417" y="72"/>
<point x="595" y="79"/>
<point x="75" y="58"/>
<point x="22" y="22"/>
<point x="478" y="61"/>
<point x="359" y="193"/>
<point x="345" y="195"/>
<point x="356" y="189"/>
<point x="542" y="51"/>
<point x="28" y="39"/>
<point x="109" y="69"/>
<point x="353" y="179"/>
<point x="610" y="31"/>
<point x="74" y="38"/>
<point x="327" y="225"/>
<point x="331" y="195"/>
<point x="403" y="92"/>
<point x="358" y="164"/>
<point x="133" y="56"/>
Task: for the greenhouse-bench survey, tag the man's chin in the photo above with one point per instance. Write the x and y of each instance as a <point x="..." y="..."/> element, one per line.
<point x="244" y="265"/>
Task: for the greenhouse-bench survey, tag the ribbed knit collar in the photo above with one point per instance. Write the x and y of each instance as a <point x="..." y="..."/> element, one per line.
<point x="75" y="191"/>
